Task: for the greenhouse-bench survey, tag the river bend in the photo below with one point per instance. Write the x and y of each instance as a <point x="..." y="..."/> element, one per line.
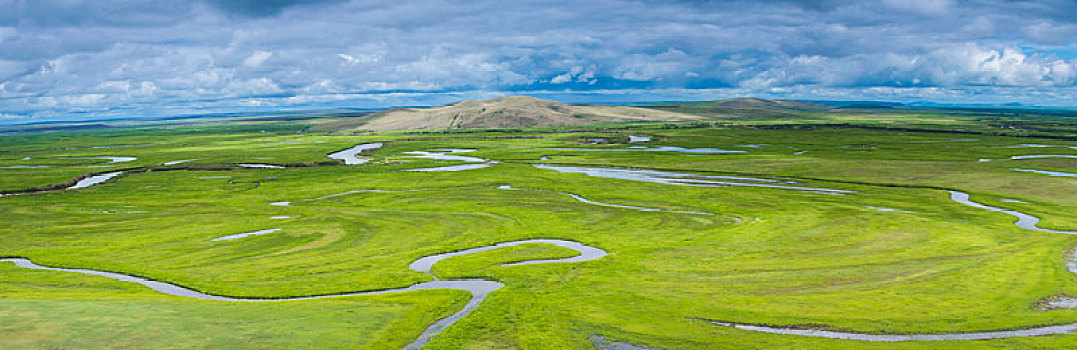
<point x="1024" y="221"/>
<point x="479" y="289"/>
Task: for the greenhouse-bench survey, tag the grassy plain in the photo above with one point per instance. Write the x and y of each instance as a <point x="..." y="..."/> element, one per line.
<point x="796" y="258"/>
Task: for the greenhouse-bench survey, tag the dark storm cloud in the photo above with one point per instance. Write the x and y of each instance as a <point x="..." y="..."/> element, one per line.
<point x="104" y="58"/>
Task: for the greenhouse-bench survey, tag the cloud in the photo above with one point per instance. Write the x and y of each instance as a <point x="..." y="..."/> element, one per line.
<point x="68" y="13"/>
<point x="950" y="67"/>
<point x="261" y="8"/>
<point x="11" y="68"/>
<point x="923" y="7"/>
<point x="257" y="58"/>
<point x="577" y="74"/>
<point x="661" y="66"/>
<point x="14" y="117"/>
<point x="79" y="58"/>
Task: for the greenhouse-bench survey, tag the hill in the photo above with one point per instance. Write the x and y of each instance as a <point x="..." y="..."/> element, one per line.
<point x="502" y="112"/>
<point x="758" y="103"/>
<point x="748" y="107"/>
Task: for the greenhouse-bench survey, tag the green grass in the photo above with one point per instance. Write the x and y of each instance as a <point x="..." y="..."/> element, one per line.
<point x="796" y="259"/>
<point x="44" y="309"/>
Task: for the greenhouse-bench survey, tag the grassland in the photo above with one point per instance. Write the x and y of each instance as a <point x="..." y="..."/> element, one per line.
<point x="797" y="258"/>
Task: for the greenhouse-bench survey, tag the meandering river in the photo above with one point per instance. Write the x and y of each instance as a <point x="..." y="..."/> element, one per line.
<point x="351" y="156"/>
<point x="1024" y="221"/>
<point x="450" y="154"/>
<point x="646" y="149"/>
<point x="479" y="289"/>
<point x="686" y="179"/>
<point x="1045" y="172"/>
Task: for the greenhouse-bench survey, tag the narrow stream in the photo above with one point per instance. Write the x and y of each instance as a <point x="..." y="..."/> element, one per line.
<point x="246" y="234"/>
<point x="645" y="149"/>
<point x="479" y="289"/>
<point x="1063" y="302"/>
<point x="1024" y="221"/>
<point x="351" y="192"/>
<point x="110" y="159"/>
<point x="460" y="167"/>
<point x="1034" y="145"/>
<point x="450" y="154"/>
<point x="1034" y="156"/>
<point x="587" y="253"/>
<point x="174" y="162"/>
<point x="351" y="156"/>
<point x="259" y="166"/>
<point x="1043" y="156"/>
<point x="93" y="180"/>
<point x="1045" y="172"/>
<point x="686" y="179"/>
<point x="889" y="209"/>
<point x="602" y="343"/>
<point x="1030" y="332"/>
<point x="588" y="201"/>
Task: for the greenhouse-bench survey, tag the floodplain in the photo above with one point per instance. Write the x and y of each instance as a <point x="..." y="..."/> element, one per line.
<point x="775" y="237"/>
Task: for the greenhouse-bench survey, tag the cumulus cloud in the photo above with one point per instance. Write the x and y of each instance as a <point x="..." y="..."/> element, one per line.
<point x="82" y="58"/>
<point x="950" y="67"/>
<point x="577" y="74"/>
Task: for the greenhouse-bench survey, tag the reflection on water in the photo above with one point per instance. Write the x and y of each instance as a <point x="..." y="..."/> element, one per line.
<point x="685" y="179"/>
<point x="93" y="180"/>
<point x="351" y="156"/>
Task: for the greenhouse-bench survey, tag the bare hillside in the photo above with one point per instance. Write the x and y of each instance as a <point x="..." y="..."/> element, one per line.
<point x="502" y="112"/>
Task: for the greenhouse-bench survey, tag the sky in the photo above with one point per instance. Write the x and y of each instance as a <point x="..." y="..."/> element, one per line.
<point x="100" y="59"/>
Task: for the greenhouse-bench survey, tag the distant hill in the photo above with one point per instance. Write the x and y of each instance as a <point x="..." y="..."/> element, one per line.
<point x="502" y="112"/>
<point x="758" y="103"/>
<point x="739" y="108"/>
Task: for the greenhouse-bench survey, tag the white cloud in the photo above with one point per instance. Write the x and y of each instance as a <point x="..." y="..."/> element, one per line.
<point x="641" y="67"/>
<point x="60" y="57"/>
<point x="83" y="99"/>
<point x="953" y="66"/>
<point x="257" y="58"/>
<point x="563" y="78"/>
<point x="356" y="59"/>
<point x="1048" y="32"/>
<point x="577" y="74"/>
<point x="7" y="116"/>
